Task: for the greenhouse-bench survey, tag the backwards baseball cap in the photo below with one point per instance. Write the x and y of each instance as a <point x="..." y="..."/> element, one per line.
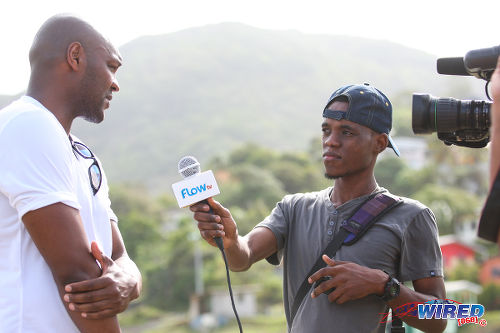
<point x="368" y="106"/>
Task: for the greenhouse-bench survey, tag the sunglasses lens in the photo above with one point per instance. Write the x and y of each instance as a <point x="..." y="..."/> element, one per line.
<point x="95" y="177"/>
<point x="84" y="151"/>
<point x="94" y="170"/>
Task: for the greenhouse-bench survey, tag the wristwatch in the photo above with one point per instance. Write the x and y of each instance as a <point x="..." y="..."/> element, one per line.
<point x="391" y="289"/>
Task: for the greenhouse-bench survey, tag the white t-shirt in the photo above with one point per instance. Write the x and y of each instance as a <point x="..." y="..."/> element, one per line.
<point x="38" y="168"/>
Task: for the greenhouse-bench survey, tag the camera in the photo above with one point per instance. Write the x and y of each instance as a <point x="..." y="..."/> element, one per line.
<point x="458" y="122"/>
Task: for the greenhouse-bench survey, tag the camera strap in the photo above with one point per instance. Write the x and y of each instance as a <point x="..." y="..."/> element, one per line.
<point x="489" y="224"/>
<point x="349" y="232"/>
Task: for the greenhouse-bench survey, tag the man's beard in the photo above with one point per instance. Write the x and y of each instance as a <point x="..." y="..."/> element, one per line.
<point x="92" y="117"/>
<point x="327" y="176"/>
<point x="90" y="107"/>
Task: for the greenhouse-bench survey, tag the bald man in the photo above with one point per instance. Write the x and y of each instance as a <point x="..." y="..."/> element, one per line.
<point x="55" y="212"/>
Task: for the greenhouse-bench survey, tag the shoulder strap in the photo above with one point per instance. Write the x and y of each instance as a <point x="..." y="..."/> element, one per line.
<point x="368" y="214"/>
<point x="351" y="231"/>
<point x="397" y="324"/>
<point x="489" y="223"/>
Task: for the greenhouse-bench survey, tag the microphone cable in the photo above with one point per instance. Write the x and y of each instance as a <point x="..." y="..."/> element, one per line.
<point x="189" y="166"/>
<point x="220" y="245"/>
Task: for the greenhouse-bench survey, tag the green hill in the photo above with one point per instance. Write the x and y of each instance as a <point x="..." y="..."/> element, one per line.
<point x="203" y="91"/>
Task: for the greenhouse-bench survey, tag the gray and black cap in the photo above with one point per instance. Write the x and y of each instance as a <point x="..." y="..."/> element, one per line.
<point x="368" y="106"/>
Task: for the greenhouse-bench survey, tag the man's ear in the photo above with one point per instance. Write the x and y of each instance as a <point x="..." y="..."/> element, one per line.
<point x="381" y="142"/>
<point x="75" y="55"/>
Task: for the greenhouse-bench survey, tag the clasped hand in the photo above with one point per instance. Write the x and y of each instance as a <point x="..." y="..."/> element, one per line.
<point x="351" y="281"/>
<point x="104" y="296"/>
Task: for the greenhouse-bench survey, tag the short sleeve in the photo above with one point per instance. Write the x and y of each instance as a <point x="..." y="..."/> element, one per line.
<point x="105" y="189"/>
<point x="277" y="222"/>
<point x="420" y="252"/>
<point x="36" y="162"/>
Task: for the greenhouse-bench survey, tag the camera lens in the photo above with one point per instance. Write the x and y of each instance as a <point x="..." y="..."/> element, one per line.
<point x="448" y="115"/>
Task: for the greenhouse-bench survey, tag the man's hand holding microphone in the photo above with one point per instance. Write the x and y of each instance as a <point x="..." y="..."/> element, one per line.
<point x="215" y="221"/>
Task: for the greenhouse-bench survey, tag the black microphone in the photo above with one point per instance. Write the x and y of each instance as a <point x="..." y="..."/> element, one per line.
<point x="451" y="66"/>
<point x="188" y="167"/>
<point x="479" y="63"/>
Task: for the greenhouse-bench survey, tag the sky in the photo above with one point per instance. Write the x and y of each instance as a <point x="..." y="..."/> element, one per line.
<point x="443" y="28"/>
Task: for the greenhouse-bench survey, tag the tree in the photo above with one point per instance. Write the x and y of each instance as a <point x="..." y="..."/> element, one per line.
<point x="139" y="218"/>
<point x="451" y="205"/>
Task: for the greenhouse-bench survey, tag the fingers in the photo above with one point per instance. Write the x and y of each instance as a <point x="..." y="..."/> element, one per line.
<point x="217" y="208"/>
<point x="206" y="217"/>
<point x="210" y="224"/>
<point x="87" y="297"/>
<point x="205" y="205"/>
<point x="97" y="310"/>
<point x="87" y="285"/>
<point x="103" y="260"/>
<point x="328" y="260"/>
<point x="327" y="271"/>
<point x="211" y="230"/>
<point x="329" y="285"/>
<point x="322" y="285"/>
<point x="199" y="207"/>
<point x="214" y="220"/>
<point x="97" y="301"/>
<point x="101" y="314"/>
<point x="92" y="284"/>
<point x="202" y="213"/>
<point x="338" y="296"/>
<point x="327" y="278"/>
<point x="96" y="252"/>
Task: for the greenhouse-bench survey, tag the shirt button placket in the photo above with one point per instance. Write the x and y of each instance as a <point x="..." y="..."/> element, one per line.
<point x="331" y="223"/>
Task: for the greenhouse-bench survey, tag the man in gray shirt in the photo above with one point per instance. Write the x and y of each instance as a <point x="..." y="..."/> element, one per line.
<point x="401" y="246"/>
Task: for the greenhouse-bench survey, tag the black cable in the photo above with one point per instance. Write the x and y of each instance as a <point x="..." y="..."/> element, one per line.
<point x="486" y="90"/>
<point x="220" y="245"/>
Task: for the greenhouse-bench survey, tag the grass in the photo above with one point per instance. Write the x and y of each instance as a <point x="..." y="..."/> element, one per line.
<point x="150" y="320"/>
<point x="258" y="324"/>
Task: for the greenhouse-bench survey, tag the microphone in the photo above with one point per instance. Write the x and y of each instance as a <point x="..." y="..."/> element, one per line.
<point x="451" y="66"/>
<point x="196" y="187"/>
<point x="479" y="63"/>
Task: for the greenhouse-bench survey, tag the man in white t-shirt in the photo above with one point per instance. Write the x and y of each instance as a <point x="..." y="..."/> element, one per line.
<point x="54" y="199"/>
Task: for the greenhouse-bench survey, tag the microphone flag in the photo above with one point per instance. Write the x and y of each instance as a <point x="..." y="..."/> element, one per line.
<point x="195" y="188"/>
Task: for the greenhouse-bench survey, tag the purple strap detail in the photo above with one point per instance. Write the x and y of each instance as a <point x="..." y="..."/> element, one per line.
<point x="366" y="213"/>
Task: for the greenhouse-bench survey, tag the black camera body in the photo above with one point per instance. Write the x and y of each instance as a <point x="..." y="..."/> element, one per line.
<point x="458" y="122"/>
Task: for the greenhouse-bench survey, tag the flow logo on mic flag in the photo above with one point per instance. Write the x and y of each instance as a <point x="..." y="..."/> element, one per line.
<point x="195" y="189"/>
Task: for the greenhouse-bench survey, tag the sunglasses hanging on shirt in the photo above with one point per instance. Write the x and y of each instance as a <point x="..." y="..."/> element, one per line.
<point x="95" y="175"/>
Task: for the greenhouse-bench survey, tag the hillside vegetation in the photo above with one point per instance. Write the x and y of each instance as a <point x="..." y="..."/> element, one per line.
<point x="206" y="90"/>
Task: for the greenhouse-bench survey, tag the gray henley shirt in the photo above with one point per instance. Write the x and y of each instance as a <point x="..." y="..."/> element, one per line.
<point x="404" y="243"/>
